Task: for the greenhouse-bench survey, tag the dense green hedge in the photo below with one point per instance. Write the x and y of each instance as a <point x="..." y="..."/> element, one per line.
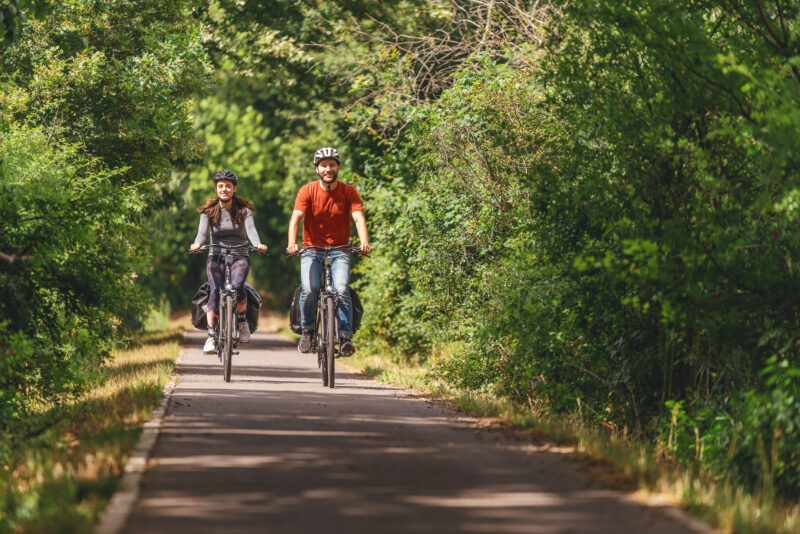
<point x="610" y="225"/>
<point x="93" y="110"/>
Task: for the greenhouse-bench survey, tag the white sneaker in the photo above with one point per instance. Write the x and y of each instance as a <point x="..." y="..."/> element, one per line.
<point x="244" y="332"/>
<point x="211" y="346"/>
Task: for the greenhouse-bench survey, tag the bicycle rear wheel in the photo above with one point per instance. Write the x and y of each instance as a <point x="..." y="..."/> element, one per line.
<point x="227" y="340"/>
<point x="330" y="340"/>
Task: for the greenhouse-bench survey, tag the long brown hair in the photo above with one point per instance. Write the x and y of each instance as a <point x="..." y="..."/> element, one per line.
<point x="239" y="207"/>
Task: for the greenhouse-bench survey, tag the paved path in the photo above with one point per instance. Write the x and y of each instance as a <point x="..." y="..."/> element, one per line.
<point x="274" y="451"/>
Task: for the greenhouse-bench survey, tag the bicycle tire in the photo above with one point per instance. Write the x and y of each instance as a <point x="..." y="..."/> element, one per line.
<point x="220" y="330"/>
<point x="227" y="342"/>
<point x="321" y="356"/>
<point x="330" y="341"/>
<point x="317" y="339"/>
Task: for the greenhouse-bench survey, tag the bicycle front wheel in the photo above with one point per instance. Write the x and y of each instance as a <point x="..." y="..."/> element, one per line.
<point x="227" y="340"/>
<point x="330" y="340"/>
<point x="322" y="358"/>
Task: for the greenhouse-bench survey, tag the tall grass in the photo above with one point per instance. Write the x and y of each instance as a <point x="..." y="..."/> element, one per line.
<point x="61" y="480"/>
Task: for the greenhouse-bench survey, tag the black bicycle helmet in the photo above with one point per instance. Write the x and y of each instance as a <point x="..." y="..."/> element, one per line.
<point x="226" y="175"/>
<point x="325" y="153"/>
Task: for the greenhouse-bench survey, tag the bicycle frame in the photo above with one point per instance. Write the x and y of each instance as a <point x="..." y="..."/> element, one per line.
<point x="327" y="314"/>
<point x="227" y="328"/>
<point x="227" y="287"/>
<point x="327" y="307"/>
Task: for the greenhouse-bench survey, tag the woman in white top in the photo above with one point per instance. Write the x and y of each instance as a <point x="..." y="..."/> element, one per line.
<point x="229" y="219"/>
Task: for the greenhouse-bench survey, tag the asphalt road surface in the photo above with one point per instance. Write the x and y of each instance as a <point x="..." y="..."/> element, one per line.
<point x="275" y="451"/>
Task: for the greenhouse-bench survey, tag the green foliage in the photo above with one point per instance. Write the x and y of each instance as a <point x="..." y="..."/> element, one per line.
<point x="15" y="12"/>
<point x="393" y="321"/>
<point x="75" y="277"/>
<point x="275" y="98"/>
<point x="114" y="76"/>
<point x="610" y="223"/>
<point x="93" y="110"/>
<point x="689" y="268"/>
<point x="752" y="437"/>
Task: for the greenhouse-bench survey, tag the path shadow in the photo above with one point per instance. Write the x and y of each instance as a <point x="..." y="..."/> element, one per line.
<point x="255" y="461"/>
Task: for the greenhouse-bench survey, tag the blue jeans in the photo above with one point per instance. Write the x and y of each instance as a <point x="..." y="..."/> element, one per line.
<point x="311" y="265"/>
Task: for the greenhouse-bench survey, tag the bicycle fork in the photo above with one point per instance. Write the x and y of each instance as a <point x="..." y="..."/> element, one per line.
<point x="328" y="297"/>
<point x="234" y="301"/>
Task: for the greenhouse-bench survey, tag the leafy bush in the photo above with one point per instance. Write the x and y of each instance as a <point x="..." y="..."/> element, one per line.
<point x="610" y="224"/>
<point x="75" y="278"/>
<point x="93" y="110"/>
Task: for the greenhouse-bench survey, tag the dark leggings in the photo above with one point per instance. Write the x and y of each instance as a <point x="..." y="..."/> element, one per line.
<point x="215" y="269"/>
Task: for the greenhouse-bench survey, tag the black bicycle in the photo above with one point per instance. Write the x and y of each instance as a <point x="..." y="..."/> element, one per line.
<point x="327" y="331"/>
<point x="227" y="327"/>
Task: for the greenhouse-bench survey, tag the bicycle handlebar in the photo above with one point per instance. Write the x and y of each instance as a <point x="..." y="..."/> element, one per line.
<point x="227" y="248"/>
<point x="350" y="248"/>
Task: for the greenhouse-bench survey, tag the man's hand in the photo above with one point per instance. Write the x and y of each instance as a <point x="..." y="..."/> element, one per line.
<point x="361" y="228"/>
<point x="294" y="226"/>
<point x="194" y="246"/>
<point x="262" y="249"/>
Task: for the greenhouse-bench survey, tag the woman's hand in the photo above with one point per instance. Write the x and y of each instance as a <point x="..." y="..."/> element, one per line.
<point x="194" y="246"/>
<point x="262" y="249"/>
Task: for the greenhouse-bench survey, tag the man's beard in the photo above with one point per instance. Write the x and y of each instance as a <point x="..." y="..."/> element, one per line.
<point x="329" y="179"/>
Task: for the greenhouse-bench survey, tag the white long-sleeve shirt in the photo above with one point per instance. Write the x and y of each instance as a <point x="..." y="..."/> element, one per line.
<point x="226" y="232"/>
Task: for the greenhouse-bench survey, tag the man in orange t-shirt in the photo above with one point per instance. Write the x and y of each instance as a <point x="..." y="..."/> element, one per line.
<point x="325" y="208"/>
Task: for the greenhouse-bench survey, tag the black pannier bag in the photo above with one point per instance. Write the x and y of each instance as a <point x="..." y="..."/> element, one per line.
<point x="358" y="309"/>
<point x="200" y="300"/>
<point x="253" y="307"/>
<point x="294" y="310"/>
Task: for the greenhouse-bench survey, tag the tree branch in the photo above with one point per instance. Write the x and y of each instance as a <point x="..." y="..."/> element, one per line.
<point x="19" y="256"/>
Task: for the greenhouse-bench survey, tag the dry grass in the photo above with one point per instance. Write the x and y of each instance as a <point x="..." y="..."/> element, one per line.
<point x="408" y="374"/>
<point x="273" y="321"/>
<point x="62" y="480"/>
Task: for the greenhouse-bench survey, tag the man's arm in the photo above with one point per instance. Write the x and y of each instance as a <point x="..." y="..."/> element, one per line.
<point x="294" y="226"/>
<point x="361" y="228"/>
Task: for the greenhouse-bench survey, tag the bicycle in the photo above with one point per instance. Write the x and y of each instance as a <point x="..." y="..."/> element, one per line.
<point x="227" y="328"/>
<point x="327" y="323"/>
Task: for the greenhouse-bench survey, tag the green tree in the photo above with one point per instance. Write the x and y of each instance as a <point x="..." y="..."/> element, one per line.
<point x="93" y="110"/>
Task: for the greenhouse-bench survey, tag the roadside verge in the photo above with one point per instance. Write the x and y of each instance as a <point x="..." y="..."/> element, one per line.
<point x="121" y="504"/>
<point x="610" y="461"/>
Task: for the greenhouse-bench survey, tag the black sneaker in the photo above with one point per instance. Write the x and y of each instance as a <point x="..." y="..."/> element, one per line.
<point x="346" y="348"/>
<point x="304" y="345"/>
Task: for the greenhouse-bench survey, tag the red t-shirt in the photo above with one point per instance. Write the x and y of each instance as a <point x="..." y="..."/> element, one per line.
<point x="327" y="214"/>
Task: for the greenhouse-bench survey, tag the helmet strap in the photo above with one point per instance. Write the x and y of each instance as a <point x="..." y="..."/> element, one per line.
<point x="329" y="185"/>
<point x="222" y="202"/>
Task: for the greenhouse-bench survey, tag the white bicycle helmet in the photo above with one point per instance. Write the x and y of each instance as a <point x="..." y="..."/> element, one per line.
<point x="325" y="153"/>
